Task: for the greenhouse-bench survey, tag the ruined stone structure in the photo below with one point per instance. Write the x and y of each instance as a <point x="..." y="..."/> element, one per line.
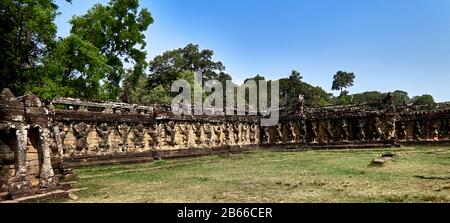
<point x="41" y="141"/>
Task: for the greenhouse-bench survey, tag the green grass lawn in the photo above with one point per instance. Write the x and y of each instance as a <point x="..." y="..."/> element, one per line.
<point x="417" y="174"/>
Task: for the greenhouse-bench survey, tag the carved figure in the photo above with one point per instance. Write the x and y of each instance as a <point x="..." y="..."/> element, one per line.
<point x="103" y="131"/>
<point x="279" y="130"/>
<point x="197" y="129"/>
<point x="267" y="134"/>
<point x="208" y="133"/>
<point x="303" y="130"/>
<point x="235" y="128"/>
<point x="228" y="132"/>
<point x="170" y="133"/>
<point x="184" y="130"/>
<point x="402" y="131"/>
<point x="391" y="129"/>
<point x="139" y="132"/>
<point x="435" y="131"/>
<point x="294" y="137"/>
<point x="217" y="129"/>
<point x="377" y="133"/>
<point x="314" y="132"/>
<point x="418" y="131"/>
<point x="329" y="131"/>
<point x="361" y="132"/>
<point x="154" y="133"/>
<point x="123" y="130"/>
<point x="344" y="130"/>
<point x="81" y="131"/>
<point x="253" y="133"/>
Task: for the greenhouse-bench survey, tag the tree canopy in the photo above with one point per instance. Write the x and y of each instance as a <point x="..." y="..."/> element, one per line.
<point x="425" y="99"/>
<point x="166" y="67"/>
<point x="74" y="68"/>
<point x="343" y="80"/>
<point x="293" y="86"/>
<point x="27" y="35"/>
<point x="117" y="30"/>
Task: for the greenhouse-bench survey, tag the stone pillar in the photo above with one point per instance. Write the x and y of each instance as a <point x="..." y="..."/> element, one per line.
<point x="47" y="176"/>
<point x="59" y="143"/>
<point x="40" y="119"/>
<point x="21" y="184"/>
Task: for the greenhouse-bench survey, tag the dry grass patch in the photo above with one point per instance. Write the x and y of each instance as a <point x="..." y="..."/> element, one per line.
<point x="274" y="176"/>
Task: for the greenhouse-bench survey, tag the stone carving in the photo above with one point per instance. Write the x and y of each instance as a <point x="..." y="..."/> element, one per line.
<point x="361" y="132"/>
<point x="154" y="134"/>
<point x="303" y="130"/>
<point x="217" y="129"/>
<point x="402" y="131"/>
<point x="377" y="132"/>
<point x="103" y="130"/>
<point x="235" y="131"/>
<point x="46" y="177"/>
<point x="139" y="133"/>
<point x="418" y="131"/>
<point x="197" y="129"/>
<point x="301" y="105"/>
<point x="170" y="133"/>
<point x="81" y="131"/>
<point x="267" y="138"/>
<point x="59" y="134"/>
<point x="390" y="129"/>
<point x="293" y="134"/>
<point x="208" y="134"/>
<point x="344" y="130"/>
<point x="314" y="132"/>
<point x="329" y="131"/>
<point x="123" y="130"/>
<point x="279" y="130"/>
<point x="184" y="130"/>
<point x="254" y="133"/>
<point x="434" y="131"/>
<point x="227" y="131"/>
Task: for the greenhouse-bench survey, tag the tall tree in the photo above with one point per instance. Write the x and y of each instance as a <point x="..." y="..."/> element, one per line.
<point x="343" y="80"/>
<point x="165" y="68"/>
<point x="74" y="68"/>
<point x="117" y="30"/>
<point x="27" y="34"/>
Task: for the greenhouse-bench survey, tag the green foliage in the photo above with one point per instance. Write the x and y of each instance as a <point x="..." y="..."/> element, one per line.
<point x="165" y="68"/>
<point x="425" y="99"/>
<point x="117" y="31"/>
<point x="27" y="33"/>
<point x="292" y="87"/>
<point x="400" y="98"/>
<point x="159" y="95"/>
<point x="343" y="80"/>
<point x="73" y="69"/>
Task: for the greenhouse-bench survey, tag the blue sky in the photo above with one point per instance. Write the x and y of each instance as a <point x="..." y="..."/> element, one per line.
<point x="388" y="44"/>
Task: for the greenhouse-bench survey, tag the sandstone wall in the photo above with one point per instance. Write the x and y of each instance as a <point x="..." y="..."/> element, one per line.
<point x="41" y="141"/>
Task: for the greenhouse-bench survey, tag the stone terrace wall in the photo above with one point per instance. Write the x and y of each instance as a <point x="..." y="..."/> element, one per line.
<point x="41" y="141"/>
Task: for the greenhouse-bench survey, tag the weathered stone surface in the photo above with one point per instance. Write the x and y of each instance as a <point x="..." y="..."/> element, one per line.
<point x="42" y="142"/>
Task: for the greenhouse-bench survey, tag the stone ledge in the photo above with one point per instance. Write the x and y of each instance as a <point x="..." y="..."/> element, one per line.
<point x="57" y="194"/>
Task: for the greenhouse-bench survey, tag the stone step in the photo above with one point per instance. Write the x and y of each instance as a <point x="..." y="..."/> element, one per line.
<point x="4" y="196"/>
<point x="85" y="163"/>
